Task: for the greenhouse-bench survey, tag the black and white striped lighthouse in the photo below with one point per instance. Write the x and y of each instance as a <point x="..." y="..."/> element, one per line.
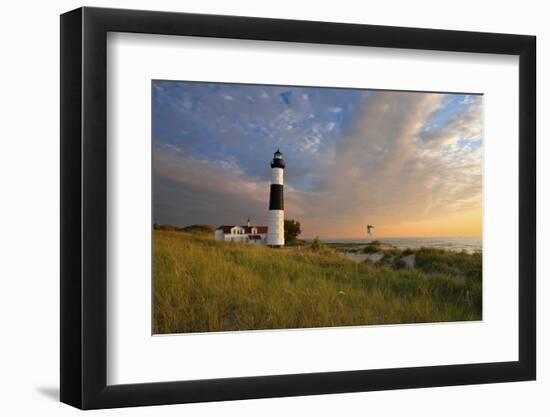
<point x="276" y="220"/>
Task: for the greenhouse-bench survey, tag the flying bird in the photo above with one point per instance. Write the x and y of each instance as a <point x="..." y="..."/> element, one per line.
<point x="370" y="228"/>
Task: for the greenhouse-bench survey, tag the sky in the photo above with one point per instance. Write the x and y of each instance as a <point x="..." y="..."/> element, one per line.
<point x="409" y="163"/>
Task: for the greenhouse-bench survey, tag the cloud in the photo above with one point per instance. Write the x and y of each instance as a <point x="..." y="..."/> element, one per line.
<point x="465" y="124"/>
<point x="382" y="174"/>
<point x="172" y="148"/>
<point x="197" y="119"/>
<point x="384" y="158"/>
<point x="189" y="190"/>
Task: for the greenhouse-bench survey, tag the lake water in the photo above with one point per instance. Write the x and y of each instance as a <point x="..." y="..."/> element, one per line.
<point x="468" y="244"/>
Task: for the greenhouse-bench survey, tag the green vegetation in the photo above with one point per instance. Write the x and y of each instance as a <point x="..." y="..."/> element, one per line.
<point x="316" y="245"/>
<point x="194" y="228"/>
<point x="165" y="227"/>
<point x="398" y="263"/>
<point x="344" y="245"/>
<point x="464" y="266"/>
<point x="199" y="228"/>
<point x="453" y="263"/>
<point x="373" y="247"/>
<point x="205" y="285"/>
<point x="292" y="231"/>
<point x="296" y="242"/>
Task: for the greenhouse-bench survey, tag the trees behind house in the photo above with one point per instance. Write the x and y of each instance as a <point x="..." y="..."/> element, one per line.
<point x="292" y="230"/>
<point x="194" y="228"/>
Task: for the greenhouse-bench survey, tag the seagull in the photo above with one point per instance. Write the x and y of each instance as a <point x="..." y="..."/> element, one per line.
<point x="370" y="228"/>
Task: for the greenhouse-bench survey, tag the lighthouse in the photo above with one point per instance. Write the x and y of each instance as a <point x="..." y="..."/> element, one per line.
<point x="276" y="220"/>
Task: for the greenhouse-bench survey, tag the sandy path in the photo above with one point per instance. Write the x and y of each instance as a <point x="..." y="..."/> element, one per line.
<point x="362" y="257"/>
<point x="410" y="260"/>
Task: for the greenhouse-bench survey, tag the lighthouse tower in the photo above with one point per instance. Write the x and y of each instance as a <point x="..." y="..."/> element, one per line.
<point x="276" y="220"/>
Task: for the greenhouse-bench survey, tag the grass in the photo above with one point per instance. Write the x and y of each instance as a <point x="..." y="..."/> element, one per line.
<point x="205" y="285"/>
<point x="372" y="248"/>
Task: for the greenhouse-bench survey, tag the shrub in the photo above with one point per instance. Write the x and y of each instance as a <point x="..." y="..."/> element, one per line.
<point x="386" y="260"/>
<point x="292" y="230"/>
<point x="199" y="228"/>
<point x="398" y="263"/>
<point x="316" y="245"/>
<point x="371" y="249"/>
<point x="165" y="227"/>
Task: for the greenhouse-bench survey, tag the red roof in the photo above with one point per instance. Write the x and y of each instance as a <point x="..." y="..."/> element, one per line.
<point x="259" y="229"/>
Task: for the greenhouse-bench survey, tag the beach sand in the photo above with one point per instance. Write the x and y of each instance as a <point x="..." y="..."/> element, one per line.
<point x="357" y="256"/>
<point x="362" y="257"/>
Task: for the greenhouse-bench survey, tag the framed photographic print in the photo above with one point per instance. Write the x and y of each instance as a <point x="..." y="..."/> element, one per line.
<point x="257" y="208"/>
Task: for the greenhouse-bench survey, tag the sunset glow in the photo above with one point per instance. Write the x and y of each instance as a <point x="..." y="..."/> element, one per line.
<point x="408" y="163"/>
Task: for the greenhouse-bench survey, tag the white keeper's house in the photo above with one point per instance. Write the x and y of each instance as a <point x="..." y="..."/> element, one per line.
<point x="245" y="234"/>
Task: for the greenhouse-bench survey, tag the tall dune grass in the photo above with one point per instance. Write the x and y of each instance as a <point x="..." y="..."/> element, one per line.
<point x="205" y="285"/>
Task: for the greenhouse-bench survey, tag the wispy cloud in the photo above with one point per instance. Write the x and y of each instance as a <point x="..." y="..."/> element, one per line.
<point x="382" y="173"/>
<point x="353" y="157"/>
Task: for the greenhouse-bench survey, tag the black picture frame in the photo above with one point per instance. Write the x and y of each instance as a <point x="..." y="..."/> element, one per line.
<point x="84" y="207"/>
